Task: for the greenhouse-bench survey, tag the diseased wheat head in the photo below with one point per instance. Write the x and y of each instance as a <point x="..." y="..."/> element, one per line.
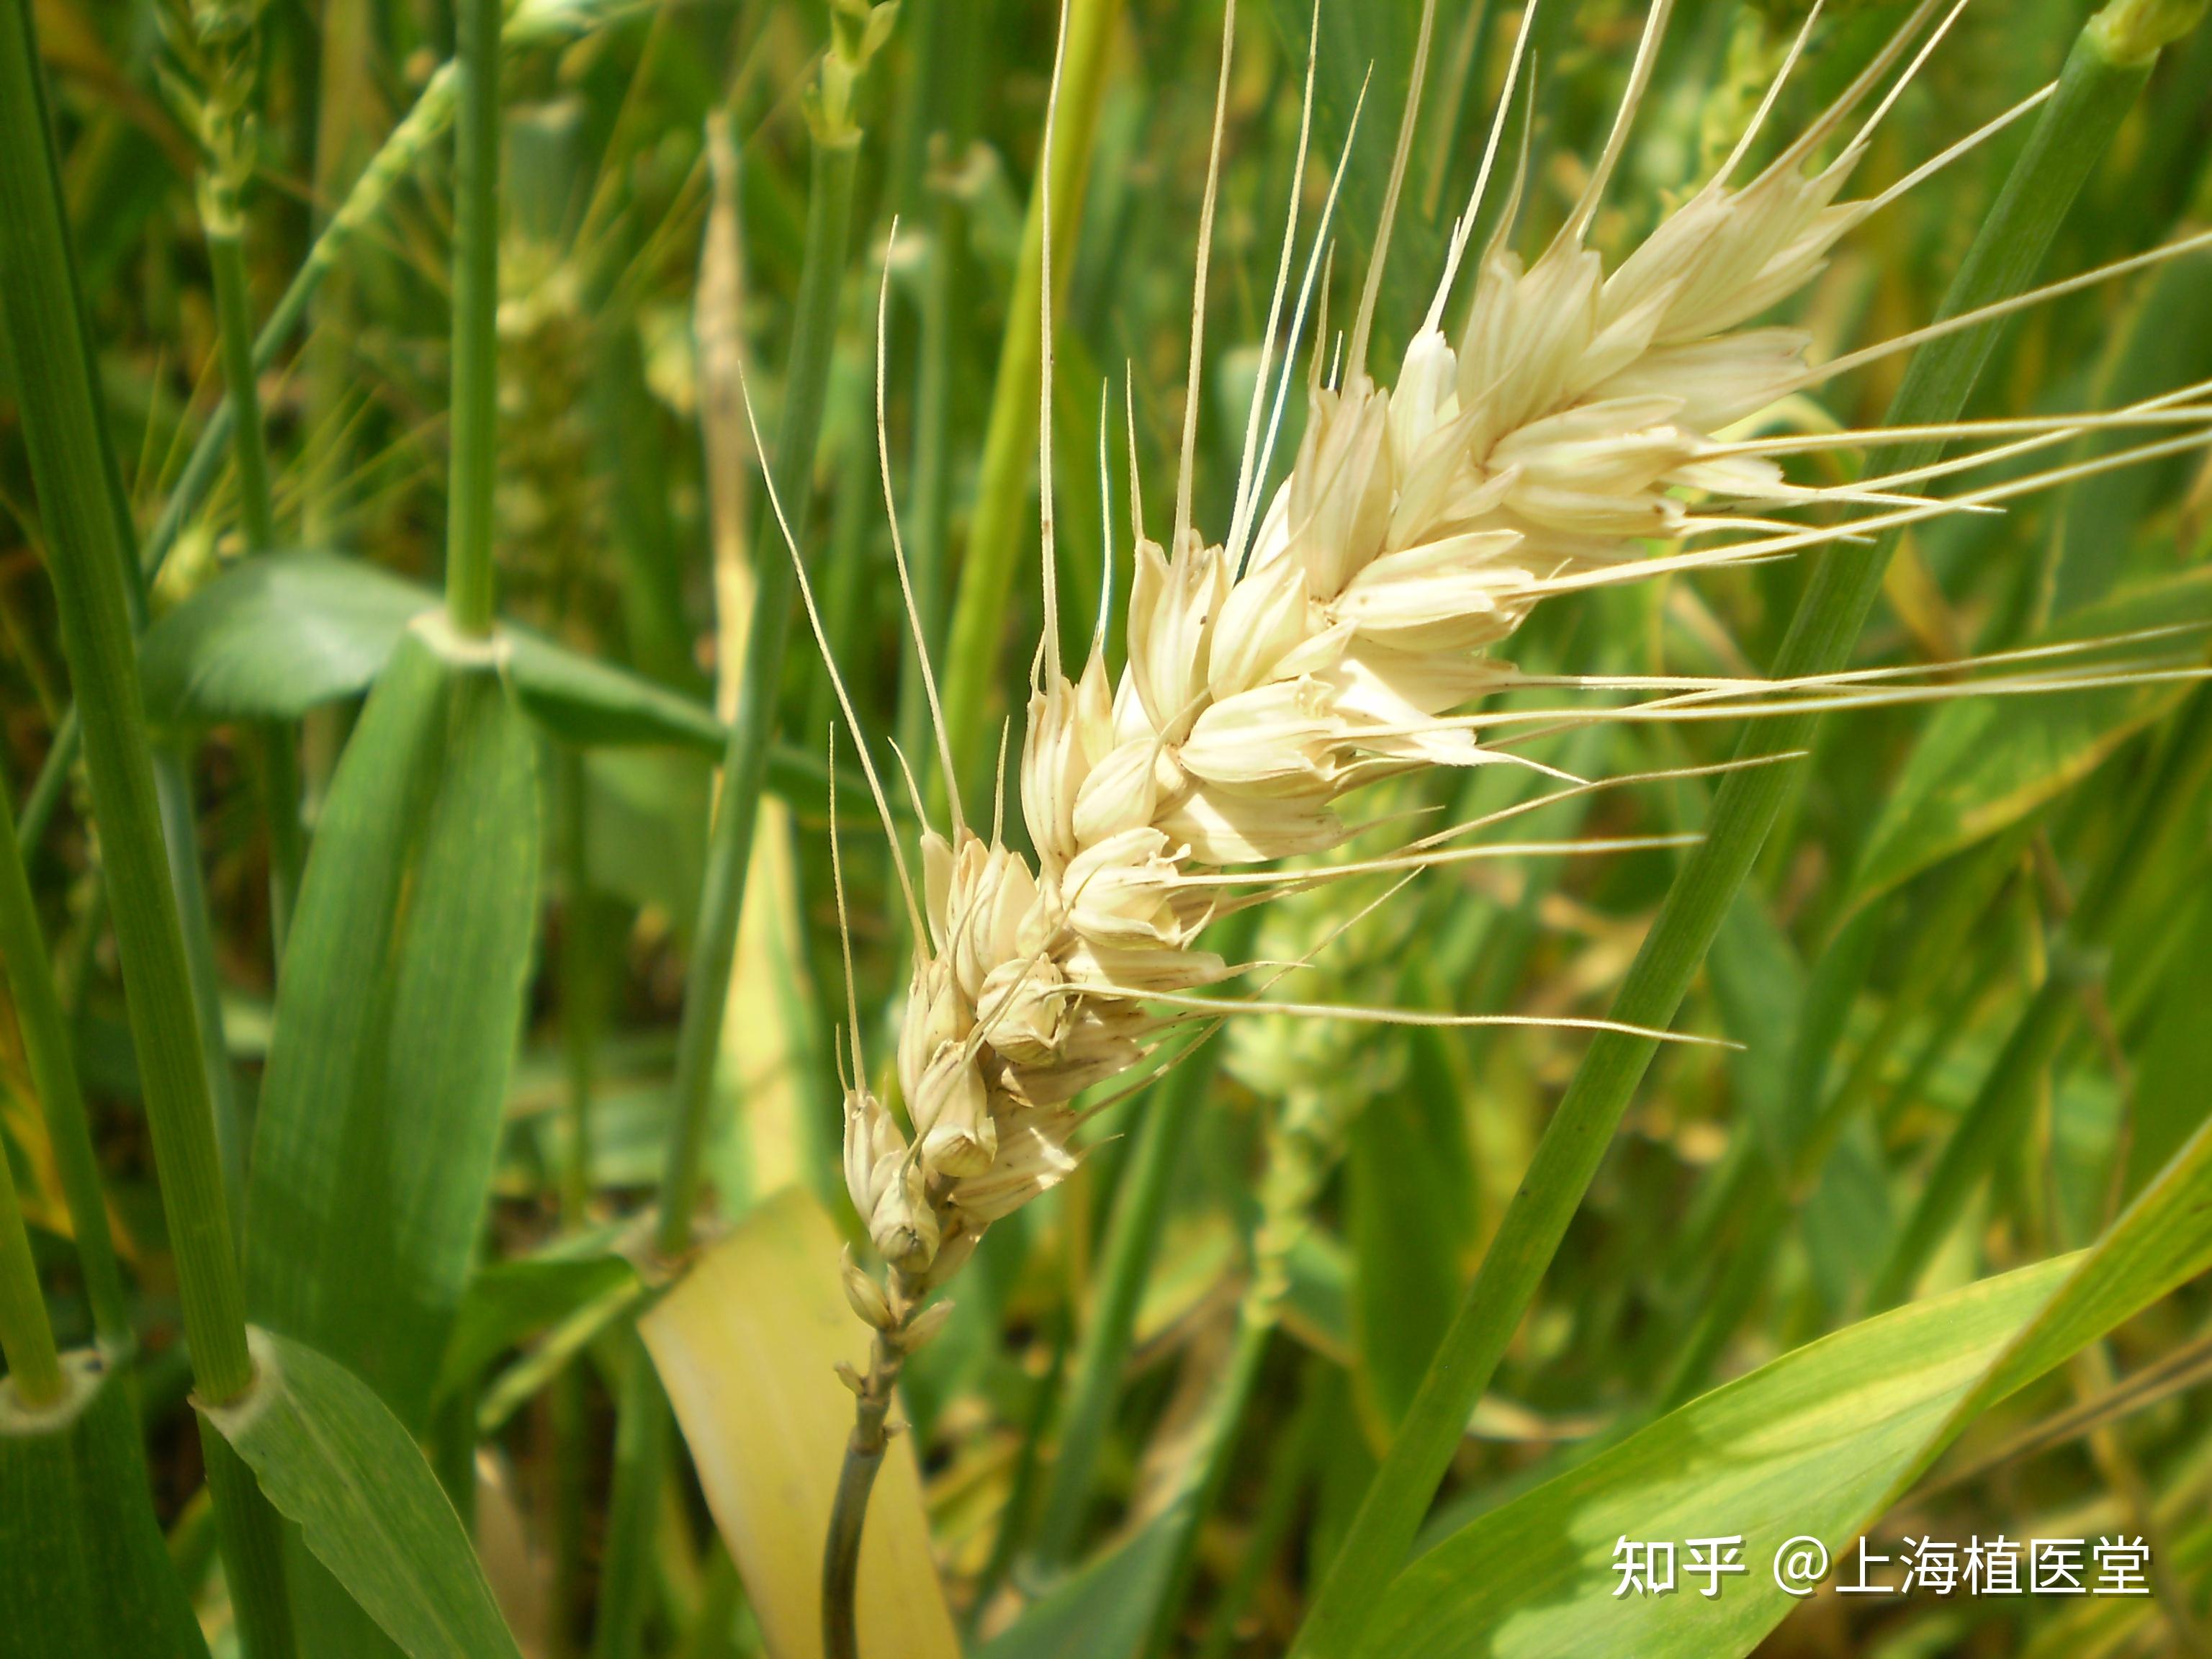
<point x="1582" y="421"/>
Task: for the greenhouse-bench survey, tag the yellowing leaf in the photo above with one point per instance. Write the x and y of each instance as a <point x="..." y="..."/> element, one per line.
<point x="745" y="1346"/>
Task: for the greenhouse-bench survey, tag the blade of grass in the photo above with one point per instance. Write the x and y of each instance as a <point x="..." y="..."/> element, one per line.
<point x="89" y="561"/>
<point x="2102" y="77"/>
<point x="988" y="578"/>
<point x="220" y="214"/>
<point x="395" y="1027"/>
<point x="349" y="1477"/>
<point x="1821" y="1443"/>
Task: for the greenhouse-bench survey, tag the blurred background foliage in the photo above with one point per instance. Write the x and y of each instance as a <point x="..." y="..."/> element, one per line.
<point x="1755" y="1200"/>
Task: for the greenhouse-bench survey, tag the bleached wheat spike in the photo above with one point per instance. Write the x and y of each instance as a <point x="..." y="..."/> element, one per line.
<point x="1324" y="642"/>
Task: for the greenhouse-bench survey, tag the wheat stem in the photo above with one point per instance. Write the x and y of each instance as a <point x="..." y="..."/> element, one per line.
<point x="475" y="398"/>
<point x="90" y="567"/>
<point x="856" y="1480"/>
<point x="995" y="531"/>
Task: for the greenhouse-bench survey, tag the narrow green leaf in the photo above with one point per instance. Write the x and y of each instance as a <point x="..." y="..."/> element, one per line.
<point x="1821" y="1442"/>
<point x="1102" y="1610"/>
<point x="337" y="1463"/>
<point x="1810" y="1444"/>
<point x="1985" y="763"/>
<point x="83" y="1569"/>
<point x="2171" y="1099"/>
<point x="1406" y="1200"/>
<point x="395" y="1027"/>
<point x="279" y="635"/>
<point x="508" y="1302"/>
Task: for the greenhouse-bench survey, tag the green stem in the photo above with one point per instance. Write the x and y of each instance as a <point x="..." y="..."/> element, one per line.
<point x="1132" y="1235"/>
<point x="27" y="1335"/>
<point x="234" y="312"/>
<point x="180" y="839"/>
<point x="626" y="1572"/>
<point x="251" y="1538"/>
<point x="249" y="449"/>
<point x="744" y="764"/>
<point x="2094" y="93"/>
<point x="848" y="1509"/>
<point x="582" y="989"/>
<point x="474" y="397"/>
<point x="996" y="530"/>
<point x="53" y="777"/>
<point x="89" y="560"/>
<point x="944" y="87"/>
<point x="580" y="985"/>
<point x="66" y="442"/>
<point x="1288" y="1470"/>
<point x="54" y="1073"/>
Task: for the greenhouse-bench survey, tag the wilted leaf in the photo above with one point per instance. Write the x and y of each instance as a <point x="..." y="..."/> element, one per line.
<point x="745" y="1346"/>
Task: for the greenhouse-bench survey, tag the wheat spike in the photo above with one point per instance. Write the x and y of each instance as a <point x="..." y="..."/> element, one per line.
<point x="1327" y="639"/>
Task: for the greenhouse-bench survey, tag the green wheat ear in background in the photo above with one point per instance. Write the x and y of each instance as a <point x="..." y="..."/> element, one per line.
<point x="1487" y="835"/>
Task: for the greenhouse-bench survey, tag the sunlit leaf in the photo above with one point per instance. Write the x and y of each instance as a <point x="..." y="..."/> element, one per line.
<point x="337" y="1463"/>
<point x="1818" y="1444"/>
